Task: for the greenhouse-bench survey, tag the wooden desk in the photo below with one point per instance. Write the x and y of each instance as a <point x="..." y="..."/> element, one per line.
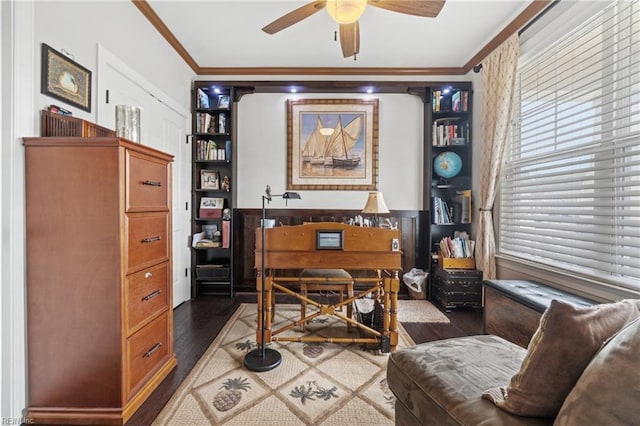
<point x="295" y="247"/>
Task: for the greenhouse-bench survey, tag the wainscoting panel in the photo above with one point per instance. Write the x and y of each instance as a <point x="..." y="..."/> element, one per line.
<point x="247" y="220"/>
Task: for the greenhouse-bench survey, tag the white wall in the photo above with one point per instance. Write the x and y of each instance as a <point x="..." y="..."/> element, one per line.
<point x="262" y="153"/>
<point x="77" y="27"/>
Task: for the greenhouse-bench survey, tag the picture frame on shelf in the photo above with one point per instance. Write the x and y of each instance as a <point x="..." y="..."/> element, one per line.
<point x="223" y="101"/>
<point x="330" y="239"/>
<point x="332" y="144"/>
<point x="209" y="179"/>
<point x="211" y="203"/>
<point x="64" y="79"/>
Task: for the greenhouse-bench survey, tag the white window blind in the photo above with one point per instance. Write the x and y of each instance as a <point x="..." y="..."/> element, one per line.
<point x="570" y="189"/>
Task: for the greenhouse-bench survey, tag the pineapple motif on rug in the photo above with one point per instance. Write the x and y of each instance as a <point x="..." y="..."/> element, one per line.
<point x="316" y="383"/>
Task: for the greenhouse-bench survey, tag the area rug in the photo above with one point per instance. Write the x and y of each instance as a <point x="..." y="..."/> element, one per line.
<point x="419" y="311"/>
<point x="316" y="384"/>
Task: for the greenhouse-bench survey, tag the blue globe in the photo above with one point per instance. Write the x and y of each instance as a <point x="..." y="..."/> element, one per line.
<point x="447" y="165"/>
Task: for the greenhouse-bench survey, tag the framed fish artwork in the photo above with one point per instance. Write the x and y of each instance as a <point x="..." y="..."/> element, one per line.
<point x="65" y="79"/>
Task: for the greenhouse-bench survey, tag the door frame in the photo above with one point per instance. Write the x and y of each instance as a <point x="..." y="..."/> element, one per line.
<point x="106" y="60"/>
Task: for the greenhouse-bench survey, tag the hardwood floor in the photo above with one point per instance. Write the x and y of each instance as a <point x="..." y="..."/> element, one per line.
<point x="198" y="321"/>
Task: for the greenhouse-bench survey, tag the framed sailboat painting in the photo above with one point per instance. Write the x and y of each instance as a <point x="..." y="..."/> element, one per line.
<point x="332" y="144"/>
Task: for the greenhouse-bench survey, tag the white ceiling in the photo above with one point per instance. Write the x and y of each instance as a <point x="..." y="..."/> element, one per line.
<point x="227" y="33"/>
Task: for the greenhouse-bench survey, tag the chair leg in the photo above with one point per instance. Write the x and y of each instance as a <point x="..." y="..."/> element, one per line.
<point x="303" y="305"/>
<point x="350" y="306"/>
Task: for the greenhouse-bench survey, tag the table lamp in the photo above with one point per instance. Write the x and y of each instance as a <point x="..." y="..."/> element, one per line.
<point x="375" y="205"/>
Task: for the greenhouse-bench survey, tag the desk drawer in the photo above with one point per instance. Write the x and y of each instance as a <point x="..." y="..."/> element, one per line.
<point x="146" y="294"/>
<point x="147" y="183"/>
<point x="147" y="240"/>
<point x="146" y="350"/>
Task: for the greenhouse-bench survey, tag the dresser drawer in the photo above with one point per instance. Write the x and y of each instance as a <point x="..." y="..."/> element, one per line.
<point x="146" y="294"/>
<point x="147" y="240"/>
<point x="146" y="351"/>
<point x="147" y="183"/>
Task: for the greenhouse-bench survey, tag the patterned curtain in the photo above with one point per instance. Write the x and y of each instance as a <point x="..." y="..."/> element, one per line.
<point x="498" y="76"/>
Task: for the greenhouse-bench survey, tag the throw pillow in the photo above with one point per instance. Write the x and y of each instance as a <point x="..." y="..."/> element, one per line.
<point x="608" y="391"/>
<point x="566" y="340"/>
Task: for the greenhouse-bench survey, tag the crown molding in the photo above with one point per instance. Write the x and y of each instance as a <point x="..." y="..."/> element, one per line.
<point x="327" y="71"/>
<point x="530" y="12"/>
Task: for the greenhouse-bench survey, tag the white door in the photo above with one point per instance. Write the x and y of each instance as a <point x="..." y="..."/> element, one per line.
<point x="162" y="126"/>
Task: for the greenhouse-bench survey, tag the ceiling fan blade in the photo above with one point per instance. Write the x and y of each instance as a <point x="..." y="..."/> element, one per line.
<point x="424" y="8"/>
<point x="295" y="16"/>
<point x="350" y="39"/>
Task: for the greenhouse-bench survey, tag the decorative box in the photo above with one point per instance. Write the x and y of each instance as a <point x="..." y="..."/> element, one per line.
<point x="457" y="262"/>
<point x="453" y="288"/>
<point x="211" y="208"/>
<point x="206" y="213"/>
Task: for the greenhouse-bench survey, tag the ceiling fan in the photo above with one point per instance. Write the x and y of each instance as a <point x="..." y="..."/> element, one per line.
<point x="347" y="12"/>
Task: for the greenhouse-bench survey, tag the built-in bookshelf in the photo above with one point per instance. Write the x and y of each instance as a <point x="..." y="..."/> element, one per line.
<point x="448" y="163"/>
<point x="213" y="184"/>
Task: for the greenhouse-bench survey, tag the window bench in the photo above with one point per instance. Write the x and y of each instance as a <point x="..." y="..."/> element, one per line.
<point x="512" y="308"/>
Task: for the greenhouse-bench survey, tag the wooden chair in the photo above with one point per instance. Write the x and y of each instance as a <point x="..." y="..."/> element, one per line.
<point x="326" y="279"/>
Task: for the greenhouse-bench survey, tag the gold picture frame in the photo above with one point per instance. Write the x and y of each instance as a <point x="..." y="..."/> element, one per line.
<point x="64" y="79"/>
<point x="332" y="144"/>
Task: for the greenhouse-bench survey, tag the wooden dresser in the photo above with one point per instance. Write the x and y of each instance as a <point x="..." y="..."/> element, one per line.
<point x="99" y="278"/>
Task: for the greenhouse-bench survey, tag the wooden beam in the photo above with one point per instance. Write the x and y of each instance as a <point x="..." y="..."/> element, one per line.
<point x="155" y="20"/>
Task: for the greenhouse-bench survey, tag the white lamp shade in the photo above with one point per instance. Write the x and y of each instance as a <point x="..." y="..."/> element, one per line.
<point x="375" y="204"/>
<point x="346" y="11"/>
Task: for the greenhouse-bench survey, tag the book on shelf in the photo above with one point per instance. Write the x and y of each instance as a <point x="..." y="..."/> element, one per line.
<point x="209" y="150"/>
<point x="442" y="213"/>
<point x="58" y="110"/>
<point x="456" y="105"/>
<point x="226" y="234"/>
<point x="448" y="131"/>
<point x="436" y="101"/>
<point x="463" y="201"/>
<point x="206" y="123"/>
<point x="223" y="101"/>
<point x="450" y="100"/>
<point x="465" y="101"/>
<point x="202" y="99"/>
<point x="222" y="123"/>
<point x="460" y="246"/>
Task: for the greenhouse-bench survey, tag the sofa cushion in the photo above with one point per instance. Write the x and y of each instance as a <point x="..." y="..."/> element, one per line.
<point x="441" y="382"/>
<point x="563" y="345"/>
<point x="608" y="391"/>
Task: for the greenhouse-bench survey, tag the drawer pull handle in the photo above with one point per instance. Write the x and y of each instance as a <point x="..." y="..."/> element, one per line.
<point x="148" y="275"/>
<point x="152" y="183"/>
<point x="152" y="350"/>
<point x="151" y="295"/>
<point x="151" y="239"/>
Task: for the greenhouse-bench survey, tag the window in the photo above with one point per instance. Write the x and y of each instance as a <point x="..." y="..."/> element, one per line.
<point x="570" y="190"/>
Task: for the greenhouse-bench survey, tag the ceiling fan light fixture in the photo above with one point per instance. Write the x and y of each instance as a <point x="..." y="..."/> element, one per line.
<point x="346" y="11"/>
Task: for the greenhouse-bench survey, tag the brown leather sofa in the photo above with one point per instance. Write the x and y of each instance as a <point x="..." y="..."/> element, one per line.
<point x="442" y="382"/>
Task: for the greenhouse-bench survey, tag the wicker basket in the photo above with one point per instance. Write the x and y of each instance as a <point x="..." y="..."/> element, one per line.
<point x="54" y="124"/>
